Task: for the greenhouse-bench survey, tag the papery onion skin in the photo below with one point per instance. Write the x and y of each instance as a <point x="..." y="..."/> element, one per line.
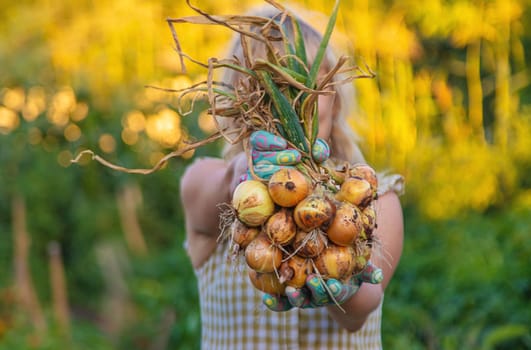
<point x="266" y="282"/>
<point x="252" y="202"/>
<point x="242" y="234"/>
<point x="288" y="186"/>
<point x="356" y="191"/>
<point x="312" y="212"/>
<point x="263" y="256"/>
<point x="369" y="220"/>
<point x="335" y="262"/>
<point x="346" y="225"/>
<point x="280" y="227"/>
<point x="309" y="244"/>
<point x="294" y="271"/>
<point x="361" y="258"/>
<point x="365" y="172"/>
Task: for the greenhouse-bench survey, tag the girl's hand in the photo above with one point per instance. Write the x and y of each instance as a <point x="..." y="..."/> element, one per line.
<point x="270" y="153"/>
<point x="316" y="294"/>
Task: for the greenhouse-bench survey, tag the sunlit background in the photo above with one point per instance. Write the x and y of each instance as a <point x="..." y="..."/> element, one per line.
<point x="93" y="258"/>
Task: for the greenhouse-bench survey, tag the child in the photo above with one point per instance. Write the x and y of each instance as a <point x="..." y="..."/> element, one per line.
<point x="232" y="311"/>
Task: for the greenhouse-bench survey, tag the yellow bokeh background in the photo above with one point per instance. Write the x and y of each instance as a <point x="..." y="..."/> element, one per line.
<point x="449" y="108"/>
<point x="426" y="121"/>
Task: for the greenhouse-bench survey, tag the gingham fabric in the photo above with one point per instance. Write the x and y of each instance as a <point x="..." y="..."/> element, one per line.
<point x="234" y="318"/>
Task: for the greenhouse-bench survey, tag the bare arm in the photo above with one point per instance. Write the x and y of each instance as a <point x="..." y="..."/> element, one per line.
<point x="390" y="232"/>
<point x="205" y="184"/>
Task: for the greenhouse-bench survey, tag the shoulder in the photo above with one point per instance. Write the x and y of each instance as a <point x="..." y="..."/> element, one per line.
<point x="202" y="165"/>
<point x="198" y="171"/>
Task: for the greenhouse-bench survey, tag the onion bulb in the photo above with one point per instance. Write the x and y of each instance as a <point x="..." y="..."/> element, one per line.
<point x="252" y="202"/>
<point x="335" y="262"/>
<point x="294" y="271"/>
<point x="361" y="258"/>
<point x="288" y="186"/>
<point x="346" y="225"/>
<point x="356" y="191"/>
<point x="263" y="256"/>
<point x="280" y="227"/>
<point x="309" y="244"/>
<point x="242" y="234"/>
<point x="369" y="220"/>
<point x="365" y="172"/>
<point x="312" y="212"/>
<point x="266" y="282"/>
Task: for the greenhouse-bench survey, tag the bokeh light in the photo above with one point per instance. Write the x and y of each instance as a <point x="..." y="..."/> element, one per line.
<point x="64" y="158"/>
<point x="107" y="143"/>
<point x="164" y="127"/>
<point x="134" y="121"/>
<point x="34" y="136"/>
<point x="63" y="103"/>
<point x="9" y="120"/>
<point x="72" y="132"/>
<point x="80" y="112"/>
<point x="129" y="137"/>
<point x="206" y="123"/>
<point x="35" y="103"/>
<point x="14" y="98"/>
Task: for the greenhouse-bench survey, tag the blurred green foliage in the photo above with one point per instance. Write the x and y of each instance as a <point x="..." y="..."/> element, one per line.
<point x="450" y="109"/>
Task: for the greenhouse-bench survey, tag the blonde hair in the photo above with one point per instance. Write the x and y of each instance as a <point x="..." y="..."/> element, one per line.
<point x="343" y="140"/>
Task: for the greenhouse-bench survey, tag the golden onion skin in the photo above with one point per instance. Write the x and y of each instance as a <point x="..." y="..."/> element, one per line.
<point x="263" y="256"/>
<point x="365" y="172"/>
<point x="294" y="271"/>
<point x="369" y="220"/>
<point x="288" y="186"/>
<point x="266" y="282"/>
<point x="356" y="191"/>
<point x="312" y="212"/>
<point x="361" y="258"/>
<point x="309" y="244"/>
<point x="280" y="227"/>
<point x="346" y="225"/>
<point x="241" y="234"/>
<point x="335" y="262"/>
<point x="252" y="202"/>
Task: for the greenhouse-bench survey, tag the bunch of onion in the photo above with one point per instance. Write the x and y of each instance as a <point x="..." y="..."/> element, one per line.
<point x="294" y="226"/>
<point x="313" y="219"/>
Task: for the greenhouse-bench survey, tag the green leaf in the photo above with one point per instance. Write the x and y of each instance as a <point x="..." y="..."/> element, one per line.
<point x="278" y="125"/>
<point x="291" y="76"/>
<point x="287" y="115"/>
<point x="322" y="47"/>
<point x="315" y="125"/>
<point x="300" y="47"/>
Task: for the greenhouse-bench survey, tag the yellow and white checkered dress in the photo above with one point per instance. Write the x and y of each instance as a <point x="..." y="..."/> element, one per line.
<point x="234" y="318"/>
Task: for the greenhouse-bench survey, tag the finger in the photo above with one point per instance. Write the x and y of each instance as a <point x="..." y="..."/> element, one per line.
<point x="276" y="303"/>
<point x="298" y="297"/>
<point x="320" y="151"/>
<point x="371" y="274"/>
<point x="342" y="292"/>
<point x="318" y="290"/>
<point x="285" y="157"/>
<point x="266" y="141"/>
